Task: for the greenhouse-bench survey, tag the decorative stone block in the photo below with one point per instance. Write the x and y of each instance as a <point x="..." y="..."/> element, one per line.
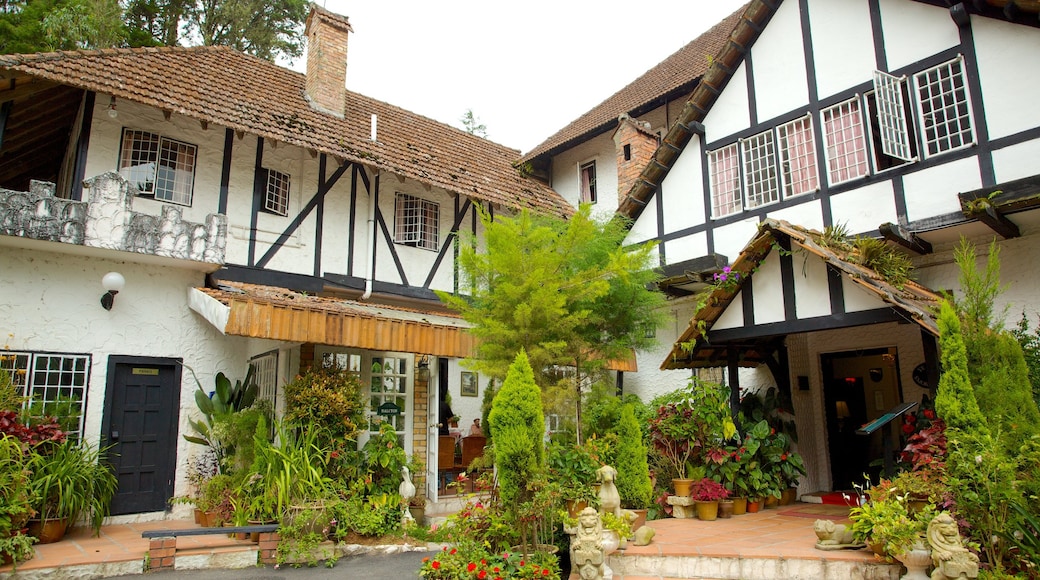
<point x="682" y="507"/>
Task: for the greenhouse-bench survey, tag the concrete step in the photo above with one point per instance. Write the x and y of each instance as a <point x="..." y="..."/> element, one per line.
<point x="629" y="567"/>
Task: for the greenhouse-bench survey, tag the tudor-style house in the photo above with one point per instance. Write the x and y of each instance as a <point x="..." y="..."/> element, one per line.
<point x="248" y="214"/>
<point x="902" y="120"/>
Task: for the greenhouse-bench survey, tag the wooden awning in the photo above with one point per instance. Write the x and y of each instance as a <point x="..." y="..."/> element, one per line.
<point x="239" y="309"/>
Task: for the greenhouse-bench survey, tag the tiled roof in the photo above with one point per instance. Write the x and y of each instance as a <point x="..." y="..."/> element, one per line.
<point x="222" y="86"/>
<point x="915" y="301"/>
<point x="681" y="68"/>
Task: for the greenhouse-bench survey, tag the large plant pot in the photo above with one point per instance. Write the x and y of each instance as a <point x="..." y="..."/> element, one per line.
<point x="916" y="561"/>
<point x="48" y="531"/>
<point x="788" y="496"/>
<point x="771" y="502"/>
<point x="726" y="508"/>
<point x="707" y="510"/>
<point x="739" y="506"/>
<point x="418" y="513"/>
<point x="198" y="516"/>
<point x="682" y="487"/>
<point x="640" y="520"/>
<point x="575" y="506"/>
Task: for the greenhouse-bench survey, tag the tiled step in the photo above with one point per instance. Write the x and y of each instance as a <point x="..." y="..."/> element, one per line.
<point x="743" y="568"/>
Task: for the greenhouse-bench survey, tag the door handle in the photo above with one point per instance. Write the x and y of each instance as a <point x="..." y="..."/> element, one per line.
<point x="115" y="436"/>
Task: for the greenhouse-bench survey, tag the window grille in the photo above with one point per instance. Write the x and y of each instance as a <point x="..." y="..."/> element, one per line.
<point x="891" y="116"/>
<point x="389" y="385"/>
<point x="845" y="145"/>
<point x="53" y="384"/>
<point x="588" y="182"/>
<point x="157" y="166"/>
<point x="798" y="155"/>
<point x="276" y="198"/>
<point x="760" y="179"/>
<point x="265" y="375"/>
<point x="944" y="111"/>
<point x="725" y="181"/>
<point x="416" y="222"/>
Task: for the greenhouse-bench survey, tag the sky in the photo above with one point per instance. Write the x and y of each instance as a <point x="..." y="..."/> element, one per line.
<point x="525" y="69"/>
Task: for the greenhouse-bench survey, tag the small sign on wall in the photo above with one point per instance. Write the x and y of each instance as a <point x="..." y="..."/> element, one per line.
<point x="148" y="372"/>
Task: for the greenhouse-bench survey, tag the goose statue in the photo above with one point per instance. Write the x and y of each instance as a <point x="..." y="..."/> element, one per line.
<point x="407" y="491"/>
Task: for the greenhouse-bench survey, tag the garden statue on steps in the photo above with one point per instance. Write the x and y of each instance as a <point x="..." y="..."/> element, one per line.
<point x="609" y="498"/>
<point x="587" y="555"/>
<point x="949" y="556"/>
<point x="407" y="491"/>
<point x="834" y="536"/>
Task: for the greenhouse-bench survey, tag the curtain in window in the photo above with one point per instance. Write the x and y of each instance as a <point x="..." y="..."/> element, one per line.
<point x="725" y="181"/>
<point x="846" y="147"/>
<point x="799" y="154"/>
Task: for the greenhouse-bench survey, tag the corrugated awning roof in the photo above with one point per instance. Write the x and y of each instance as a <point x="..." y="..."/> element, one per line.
<point x="240" y="309"/>
<point x="255" y="311"/>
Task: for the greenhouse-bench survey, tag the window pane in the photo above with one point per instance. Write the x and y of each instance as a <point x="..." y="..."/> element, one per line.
<point x="407" y="219"/>
<point x="431" y="225"/>
<point x="945" y="112"/>
<point x="891" y="116"/>
<point x="137" y="159"/>
<point x="798" y="153"/>
<point x="176" y="172"/>
<point x="588" y="182"/>
<point x="725" y="181"/>
<point x="54" y="385"/>
<point x="276" y="199"/>
<point x="760" y="177"/>
<point x="843" y="136"/>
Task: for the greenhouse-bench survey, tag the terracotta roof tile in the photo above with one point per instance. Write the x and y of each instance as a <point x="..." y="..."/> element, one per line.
<point x="681" y="68"/>
<point x="245" y="93"/>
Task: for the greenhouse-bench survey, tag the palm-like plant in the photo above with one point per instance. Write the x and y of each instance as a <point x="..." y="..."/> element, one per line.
<point x="71" y="479"/>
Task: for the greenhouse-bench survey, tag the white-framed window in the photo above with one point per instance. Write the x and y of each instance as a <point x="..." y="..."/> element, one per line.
<point x="55" y="385"/>
<point x="416" y="222"/>
<point x="552" y="423"/>
<point x="265" y="375"/>
<point x="157" y="166"/>
<point x="943" y="108"/>
<point x="724" y="167"/>
<point x="797" y="148"/>
<point x="587" y="174"/>
<point x="887" y="106"/>
<point x="844" y="142"/>
<point x="761" y="182"/>
<point x="389" y="379"/>
<point x="276" y="193"/>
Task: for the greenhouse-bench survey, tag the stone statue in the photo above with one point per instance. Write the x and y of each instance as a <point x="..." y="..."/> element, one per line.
<point x="587" y="557"/>
<point x="949" y="556"/>
<point x="407" y="491"/>
<point x="609" y="498"/>
<point x="834" y="536"/>
<point x="644" y="535"/>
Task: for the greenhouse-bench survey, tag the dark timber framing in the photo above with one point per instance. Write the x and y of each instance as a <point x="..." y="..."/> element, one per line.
<point x="82" y="145"/>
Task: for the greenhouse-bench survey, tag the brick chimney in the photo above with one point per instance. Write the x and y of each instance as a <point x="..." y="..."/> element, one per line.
<point x="327" y="60"/>
<point x="634" y="145"/>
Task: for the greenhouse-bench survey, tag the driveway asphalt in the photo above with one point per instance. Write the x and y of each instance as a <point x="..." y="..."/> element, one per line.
<point x="402" y="566"/>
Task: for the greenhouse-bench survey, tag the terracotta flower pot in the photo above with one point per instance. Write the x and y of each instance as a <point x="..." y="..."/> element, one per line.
<point x="753" y="505"/>
<point x="640" y="520"/>
<point x="682" y="487"/>
<point x="726" y="508"/>
<point x="48" y="531"/>
<point x="771" y="502"/>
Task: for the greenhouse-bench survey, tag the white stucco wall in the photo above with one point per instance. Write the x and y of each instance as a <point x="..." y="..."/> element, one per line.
<point x="843" y="43"/>
<point x="779" y="66"/>
<point x="915" y="30"/>
<point x="50" y="302"/>
<point x="1005" y="79"/>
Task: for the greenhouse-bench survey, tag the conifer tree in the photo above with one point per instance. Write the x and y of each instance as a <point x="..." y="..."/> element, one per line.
<point x="955" y="400"/>
<point x="518" y="423"/>
<point x="633" y="478"/>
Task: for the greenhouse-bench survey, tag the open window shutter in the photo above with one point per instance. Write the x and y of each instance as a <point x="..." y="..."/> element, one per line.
<point x="895" y="139"/>
<point x="407" y="220"/>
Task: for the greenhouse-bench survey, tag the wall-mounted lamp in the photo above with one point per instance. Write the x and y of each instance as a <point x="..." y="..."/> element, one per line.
<point x="841" y="408"/>
<point x="113" y="282"/>
<point x="422" y="370"/>
<point x="112" y="112"/>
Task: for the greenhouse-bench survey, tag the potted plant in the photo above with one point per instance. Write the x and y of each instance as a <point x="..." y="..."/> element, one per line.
<point x="417" y="508"/>
<point x="690" y="421"/>
<point x="707" y="492"/>
<point x="634" y="487"/>
<point x="922" y="487"/>
<point x="70" y="479"/>
<point x="572" y="468"/>
<point x="885" y="523"/>
<point x="15" y="506"/>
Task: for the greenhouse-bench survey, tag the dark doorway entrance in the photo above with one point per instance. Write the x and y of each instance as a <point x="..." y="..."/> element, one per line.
<point x="858" y="387"/>
<point x="140" y="422"/>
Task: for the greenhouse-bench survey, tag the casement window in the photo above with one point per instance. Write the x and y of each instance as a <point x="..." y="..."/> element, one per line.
<point x="54" y="385"/>
<point x="265" y="375"/>
<point x="416" y="222"/>
<point x="157" y="166"/>
<point x="944" y="111"/>
<point x="276" y="193"/>
<point x="797" y="148"/>
<point x="844" y="142"/>
<point x="890" y="132"/>
<point x="587" y="173"/>
<point x="761" y="182"/>
<point x="724" y="165"/>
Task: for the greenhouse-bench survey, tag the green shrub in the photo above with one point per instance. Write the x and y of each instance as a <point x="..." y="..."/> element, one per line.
<point x="331" y="398"/>
<point x="518" y="423"/>
<point x="633" y="479"/>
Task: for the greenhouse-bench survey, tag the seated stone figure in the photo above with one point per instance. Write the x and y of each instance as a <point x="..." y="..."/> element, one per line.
<point x="834" y="536"/>
<point x="949" y="556"/>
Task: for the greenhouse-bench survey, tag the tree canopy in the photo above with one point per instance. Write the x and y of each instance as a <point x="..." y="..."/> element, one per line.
<point x="264" y="29"/>
<point x="565" y="291"/>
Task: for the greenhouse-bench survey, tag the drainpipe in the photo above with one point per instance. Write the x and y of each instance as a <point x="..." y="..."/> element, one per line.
<point x="370" y="239"/>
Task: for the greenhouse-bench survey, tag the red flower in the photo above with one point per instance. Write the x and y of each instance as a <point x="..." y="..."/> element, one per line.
<point x="783" y="457"/>
<point x="496" y="570"/>
<point x="436" y="565"/>
<point x="929" y="414"/>
<point x="334" y="454"/>
<point x="545" y="572"/>
<point x="908" y="428"/>
<point x="483" y="562"/>
<point x="471" y="567"/>
<point x="453" y="550"/>
<point x="426" y="559"/>
<point x="482" y="574"/>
